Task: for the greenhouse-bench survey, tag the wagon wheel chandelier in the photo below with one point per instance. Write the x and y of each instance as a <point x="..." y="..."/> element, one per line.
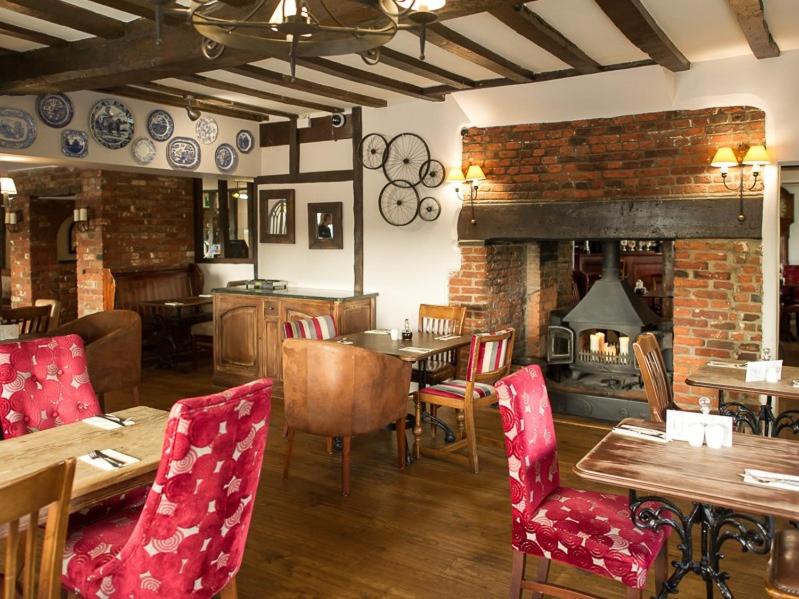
<point x="309" y="28"/>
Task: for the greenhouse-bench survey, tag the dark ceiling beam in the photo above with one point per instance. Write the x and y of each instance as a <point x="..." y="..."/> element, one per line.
<point x="413" y="65"/>
<point x="128" y="91"/>
<point x="528" y="24"/>
<point x="257" y="93"/>
<point x="753" y="22"/>
<point x="302" y="85"/>
<point x="183" y="93"/>
<point x="69" y="15"/>
<point x="342" y="71"/>
<point x="635" y="22"/>
<point x="30" y="35"/>
<point x="463" y="47"/>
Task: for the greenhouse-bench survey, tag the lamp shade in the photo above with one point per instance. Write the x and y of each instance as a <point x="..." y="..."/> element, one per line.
<point x="475" y="173"/>
<point x="422" y="5"/>
<point x="724" y="157"/>
<point x="455" y="175"/>
<point x="7" y="186"/>
<point x="757" y="155"/>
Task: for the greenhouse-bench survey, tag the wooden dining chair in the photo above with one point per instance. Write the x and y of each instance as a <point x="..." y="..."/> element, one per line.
<point x="782" y="579"/>
<point x="584" y="529"/>
<point x="24" y="497"/>
<point x="653" y="371"/>
<point x="55" y="311"/>
<point x="32" y="320"/>
<point x="490" y="356"/>
<point x="440" y="320"/>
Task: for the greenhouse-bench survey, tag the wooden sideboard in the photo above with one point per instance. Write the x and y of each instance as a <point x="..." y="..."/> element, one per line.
<point x="248" y="326"/>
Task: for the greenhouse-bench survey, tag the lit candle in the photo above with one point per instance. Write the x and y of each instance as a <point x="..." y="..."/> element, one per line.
<point x="594" y="342"/>
<point x="84" y="215"/>
<point x="76" y="214"/>
<point x="624" y="346"/>
<point x="601" y="341"/>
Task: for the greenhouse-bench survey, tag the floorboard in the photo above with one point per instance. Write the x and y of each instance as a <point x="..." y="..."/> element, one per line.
<point x="434" y="530"/>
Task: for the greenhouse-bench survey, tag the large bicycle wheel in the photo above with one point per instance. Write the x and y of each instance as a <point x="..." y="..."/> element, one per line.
<point x="406" y="155"/>
<point x="399" y="203"/>
<point x="372" y="151"/>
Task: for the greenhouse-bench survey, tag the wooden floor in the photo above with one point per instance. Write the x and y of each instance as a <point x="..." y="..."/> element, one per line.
<point x="434" y="530"/>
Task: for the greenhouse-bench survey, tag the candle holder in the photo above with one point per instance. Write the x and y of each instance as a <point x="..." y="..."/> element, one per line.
<point x="80" y="217"/>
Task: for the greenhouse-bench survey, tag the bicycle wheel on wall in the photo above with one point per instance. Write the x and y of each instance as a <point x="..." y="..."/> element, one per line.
<point x="372" y="151"/>
<point x="406" y="155"/>
<point x="399" y="203"/>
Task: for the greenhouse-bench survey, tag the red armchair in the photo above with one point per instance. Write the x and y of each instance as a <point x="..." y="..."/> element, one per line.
<point x="188" y="540"/>
<point x="585" y="529"/>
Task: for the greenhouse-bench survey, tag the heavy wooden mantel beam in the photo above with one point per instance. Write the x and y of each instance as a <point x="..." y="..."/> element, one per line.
<point x="752" y="20"/>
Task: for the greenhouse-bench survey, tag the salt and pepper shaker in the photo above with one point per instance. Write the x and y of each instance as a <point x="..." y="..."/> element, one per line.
<point x="407" y="335"/>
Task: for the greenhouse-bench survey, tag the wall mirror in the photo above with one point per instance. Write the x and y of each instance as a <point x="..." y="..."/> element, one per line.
<point x="324" y="226"/>
<point x="276" y="215"/>
<point x="225" y="222"/>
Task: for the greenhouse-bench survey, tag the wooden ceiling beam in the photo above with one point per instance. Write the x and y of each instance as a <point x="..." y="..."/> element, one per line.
<point x="401" y="61"/>
<point x="752" y="20"/>
<point x="528" y="24"/>
<point x="635" y="22"/>
<point x="30" y="35"/>
<point x="348" y="73"/>
<point x="463" y="47"/>
<point x="69" y="15"/>
<point x="303" y="85"/>
<point x="257" y="93"/>
<point x="127" y="91"/>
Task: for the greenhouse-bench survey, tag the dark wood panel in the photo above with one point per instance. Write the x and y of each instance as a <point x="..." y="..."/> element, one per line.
<point x="321" y="129"/>
<point x="613" y="219"/>
<point x="753" y="23"/>
<point x="413" y="65"/>
<point x="357" y="199"/>
<point x="315" y="177"/>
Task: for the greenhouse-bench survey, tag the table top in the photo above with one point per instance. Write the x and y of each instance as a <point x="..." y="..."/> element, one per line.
<point x="697" y="474"/>
<point x="382" y="343"/>
<point x="181" y="302"/>
<point x="734" y="379"/>
<point x="27" y="454"/>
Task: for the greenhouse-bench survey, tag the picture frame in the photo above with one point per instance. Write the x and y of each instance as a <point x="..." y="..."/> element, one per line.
<point x="325" y="226"/>
<point x="276" y="211"/>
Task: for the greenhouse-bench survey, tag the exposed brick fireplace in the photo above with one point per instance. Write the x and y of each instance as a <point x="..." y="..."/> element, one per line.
<point x="666" y="155"/>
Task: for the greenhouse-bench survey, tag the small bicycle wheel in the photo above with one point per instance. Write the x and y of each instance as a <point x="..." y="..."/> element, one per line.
<point x="372" y="151"/>
<point x="405" y="156"/>
<point x="399" y="203"/>
<point x="429" y="209"/>
<point x="432" y="173"/>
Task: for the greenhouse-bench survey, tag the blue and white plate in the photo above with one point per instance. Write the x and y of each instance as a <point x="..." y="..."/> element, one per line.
<point x="55" y="109"/>
<point x="74" y="143"/>
<point x="17" y="129"/>
<point x="207" y="129"/>
<point x="245" y="141"/>
<point x="143" y="150"/>
<point x="111" y="124"/>
<point x="226" y="157"/>
<point x="183" y="153"/>
<point x="160" y="125"/>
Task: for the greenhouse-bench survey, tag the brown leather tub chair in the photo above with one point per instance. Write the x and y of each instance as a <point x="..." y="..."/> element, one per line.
<point x="337" y="390"/>
<point x="113" y="350"/>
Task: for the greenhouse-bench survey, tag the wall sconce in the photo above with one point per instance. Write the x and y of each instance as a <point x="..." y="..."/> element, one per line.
<point x="756" y="157"/>
<point x="474" y="175"/>
<point x="80" y="216"/>
<point x="13" y="218"/>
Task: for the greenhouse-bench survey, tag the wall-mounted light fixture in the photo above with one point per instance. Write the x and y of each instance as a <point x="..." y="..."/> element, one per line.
<point x="474" y="175"/>
<point x="725" y="158"/>
<point x="13" y="218"/>
<point x="80" y="216"/>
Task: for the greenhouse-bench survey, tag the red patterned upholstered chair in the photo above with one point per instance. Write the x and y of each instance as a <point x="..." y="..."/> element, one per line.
<point x="490" y="357"/>
<point x="188" y="540"/>
<point x="318" y="327"/>
<point x="585" y="529"/>
<point x="44" y="383"/>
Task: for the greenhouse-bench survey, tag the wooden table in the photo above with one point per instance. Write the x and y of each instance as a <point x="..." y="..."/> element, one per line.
<point x="176" y="326"/>
<point x="726" y="379"/>
<point x="177" y="305"/>
<point x="711" y="480"/>
<point x="27" y="454"/>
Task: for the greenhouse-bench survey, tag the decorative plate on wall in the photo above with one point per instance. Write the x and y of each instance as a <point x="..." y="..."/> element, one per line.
<point x="143" y="150"/>
<point x="245" y="141"/>
<point x="183" y="153"/>
<point x="55" y="109"/>
<point x="207" y="129"/>
<point x="74" y="143"/>
<point x="226" y="158"/>
<point x="111" y="123"/>
<point x="160" y="125"/>
<point x="17" y="129"/>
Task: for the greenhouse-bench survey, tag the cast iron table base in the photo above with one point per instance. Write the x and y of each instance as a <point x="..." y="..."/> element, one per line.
<point x="764" y="422"/>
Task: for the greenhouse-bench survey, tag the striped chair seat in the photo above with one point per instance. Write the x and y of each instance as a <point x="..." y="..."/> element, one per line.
<point x="318" y="327"/>
<point x="457" y="389"/>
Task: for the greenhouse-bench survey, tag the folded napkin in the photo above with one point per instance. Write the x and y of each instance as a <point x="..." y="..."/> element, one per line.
<point x="641" y="433"/>
<point x="9" y="331"/>
<point x="717" y="364"/>
<point x="107" y="423"/>
<point x="416" y="350"/>
<point x="378" y="332"/>
<point x="447" y="337"/>
<point x="103" y="464"/>
<point x="776" y="480"/>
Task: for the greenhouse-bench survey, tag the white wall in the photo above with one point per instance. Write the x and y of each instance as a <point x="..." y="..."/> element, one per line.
<point x="47" y="146"/>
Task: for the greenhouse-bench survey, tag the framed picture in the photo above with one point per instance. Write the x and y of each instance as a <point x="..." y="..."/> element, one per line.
<point x="276" y="216"/>
<point x="324" y="226"/>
